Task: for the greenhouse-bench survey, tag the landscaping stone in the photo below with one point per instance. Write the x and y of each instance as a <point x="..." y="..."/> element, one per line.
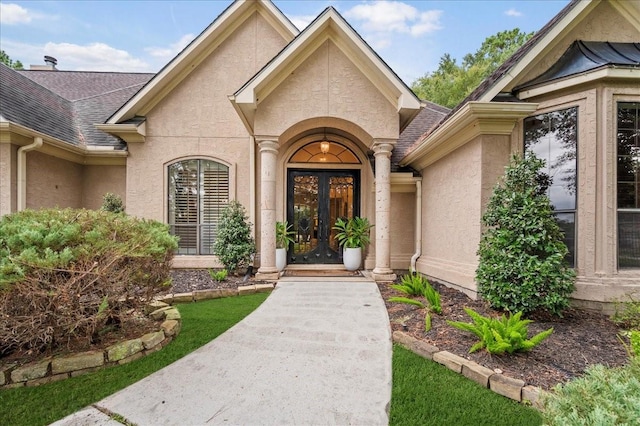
<point x="172" y="314"/>
<point x="5" y="373"/>
<point x="449" y="360"/>
<point x="131" y="358"/>
<point x="418" y="347"/>
<point x="477" y="373"/>
<point x="246" y="289"/>
<point x="48" y="379"/>
<point x="207" y="294"/>
<point x="154" y="305"/>
<point x="77" y="362"/>
<point x="150" y="340"/>
<point x="264" y="288"/>
<point x="171" y="327"/>
<point x="229" y="292"/>
<point x="31" y="371"/>
<point x="160" y="313"/>
<point x="533" y="395"/>
<point x="124" y="349"/>
<point x="15" y="385"/>
<point x="182" y="298"/>
<point x="506" y="386"/>
<point x="85" y="371"/>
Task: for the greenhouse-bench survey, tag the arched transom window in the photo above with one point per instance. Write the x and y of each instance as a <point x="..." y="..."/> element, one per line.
<point x="198" y="192"/>
<point x="325" y="152"/>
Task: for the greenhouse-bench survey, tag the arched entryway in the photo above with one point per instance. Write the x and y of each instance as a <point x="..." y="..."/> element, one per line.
<point x="323" y="184"/>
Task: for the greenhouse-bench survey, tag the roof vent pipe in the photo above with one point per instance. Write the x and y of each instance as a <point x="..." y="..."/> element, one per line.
<point x="50" y="60"/>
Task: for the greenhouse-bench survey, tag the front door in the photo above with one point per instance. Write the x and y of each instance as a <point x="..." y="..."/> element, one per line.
<point x="315" y="200"/>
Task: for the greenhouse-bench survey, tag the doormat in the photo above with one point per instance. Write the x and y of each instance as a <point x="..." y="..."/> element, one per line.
<point x="320" y="273"/>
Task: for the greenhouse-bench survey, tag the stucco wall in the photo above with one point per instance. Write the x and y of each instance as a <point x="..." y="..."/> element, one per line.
<point x="52" y="182"/>
<point x="327" y="84"/>
<point x="7" y="178"/>
<point x="402" y="232"/>
<point x="98" y="180"/>
<point x="197" y="120"/>
<point x="451" y="211"/>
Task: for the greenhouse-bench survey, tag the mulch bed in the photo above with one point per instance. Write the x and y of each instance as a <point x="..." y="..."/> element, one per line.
<point x="580" y="339"/>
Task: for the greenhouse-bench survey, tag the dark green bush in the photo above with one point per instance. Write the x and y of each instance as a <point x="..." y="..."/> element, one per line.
<point x="112" y="203"/>
<point x="67" y="274"/>
<point x="234" y="244"/>
<point x="522" y="264"/>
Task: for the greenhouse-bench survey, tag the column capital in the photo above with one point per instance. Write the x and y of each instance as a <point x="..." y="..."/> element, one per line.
<point x="383" y="146"/>
<point x="268" y="145"/>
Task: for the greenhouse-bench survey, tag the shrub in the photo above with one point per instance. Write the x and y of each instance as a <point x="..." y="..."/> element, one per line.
<point x="69" y="274"/>
<point x="627" y="313"/>
<point x="522" y="263"/>
<point x="234" y="244"/>
<point x="112" y="203"/>
<point x="505" y="334"/>
<point x="602" y="396"/>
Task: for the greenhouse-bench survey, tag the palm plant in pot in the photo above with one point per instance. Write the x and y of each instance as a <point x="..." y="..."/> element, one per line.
<point x="284" y="237"/>
<point x="352" y="236"/>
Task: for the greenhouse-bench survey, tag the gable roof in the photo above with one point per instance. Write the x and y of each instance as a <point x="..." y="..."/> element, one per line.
<point x="328" y="25"/>
<point x="181" y="66"/>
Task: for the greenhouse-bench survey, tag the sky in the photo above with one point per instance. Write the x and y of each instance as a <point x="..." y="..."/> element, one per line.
<point x="143" y="36"/>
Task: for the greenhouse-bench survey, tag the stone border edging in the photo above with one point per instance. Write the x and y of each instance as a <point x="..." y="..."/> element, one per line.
<point x="497" y="382"/>
<point x="52" y="369"/>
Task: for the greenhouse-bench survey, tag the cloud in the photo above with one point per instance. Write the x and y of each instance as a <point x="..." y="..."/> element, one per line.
<point x="383" y="16"/>
<point x="94" y="57"/>
<point x="12" y="14"/>
<point x="172" y="50"/>
<point x="513" y="12"/>
<point x="301" y="21"/>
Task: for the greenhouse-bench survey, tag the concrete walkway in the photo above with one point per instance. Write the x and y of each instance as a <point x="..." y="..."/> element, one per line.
<point x="314" y="353"/>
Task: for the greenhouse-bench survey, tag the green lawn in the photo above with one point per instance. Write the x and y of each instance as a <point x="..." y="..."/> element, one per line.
<point x="427" y="393"/>
<point x="201" y="323"/>
<point x="424" y="392"/>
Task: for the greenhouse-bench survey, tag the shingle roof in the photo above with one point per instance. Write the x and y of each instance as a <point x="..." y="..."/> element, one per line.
<point x="67" y="104"/>
<point x="502" y="70"/>
<point x="25" y="102"/>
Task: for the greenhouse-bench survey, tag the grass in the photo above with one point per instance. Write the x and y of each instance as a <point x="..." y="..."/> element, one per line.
<point x="201" y="323"/>
<point x="427" y="393"/>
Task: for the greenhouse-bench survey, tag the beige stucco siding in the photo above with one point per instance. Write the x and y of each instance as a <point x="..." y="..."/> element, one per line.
<point x="403" y="219"/>
<point x="52" y="182"/>
<point x="327" y="84"/>
<point x="197" y="120"/>
<point x="7" y="178"/>
<point x="98" y="180"/>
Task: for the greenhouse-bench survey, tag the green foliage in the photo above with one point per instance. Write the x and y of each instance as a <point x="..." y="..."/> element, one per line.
<point x="5" y="59"/>
<point x="67" y="273"/>
<point x="407" y="301"/>
<point x="353" y="232"/>
<point x="284" y="235"/>
<point x="522" y="263"/>
<point x="219" y="275"/>
<point x="627" y="313"/>
<point x="234" y="244"/>
<point x="418" y="285"/>
<point x="634" y="338"/>
<point x="451" y="83"/>
<point x="602" y="396"/>
<point x="505" y="334"/>
<point x="112" y="203"/>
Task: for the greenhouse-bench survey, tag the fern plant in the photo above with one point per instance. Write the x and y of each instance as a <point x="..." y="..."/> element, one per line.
<point x="504" y="334"/>
<point x="411" y="285"/>
<point x="417" y="285"/>
<point x="219" y="275"/>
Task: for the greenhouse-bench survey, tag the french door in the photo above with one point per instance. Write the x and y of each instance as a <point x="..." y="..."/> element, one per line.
<point x="315" y="200"/>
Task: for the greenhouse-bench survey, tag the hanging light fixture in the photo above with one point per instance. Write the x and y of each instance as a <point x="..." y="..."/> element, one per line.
<point x="324" y="145"/>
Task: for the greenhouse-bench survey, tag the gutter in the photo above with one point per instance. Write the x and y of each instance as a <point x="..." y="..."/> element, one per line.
<point x="418" y="231"/>
<point x="22" y="171"/>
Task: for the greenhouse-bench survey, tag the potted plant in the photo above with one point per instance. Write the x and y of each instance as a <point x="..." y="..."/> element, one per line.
<point x="352" y="236"/>
<point x="284" y="237"/>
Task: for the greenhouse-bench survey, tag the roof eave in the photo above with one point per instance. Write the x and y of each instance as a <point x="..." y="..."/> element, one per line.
<point x="128" y="132"/>
<point x="472" y="120"/>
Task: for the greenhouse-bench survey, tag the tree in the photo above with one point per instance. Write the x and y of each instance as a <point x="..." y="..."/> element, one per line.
<point x="522" y="264"/>
<point x="234" y="244"/>
<point x="5" y="59"/>
<point x="451" y="83"/>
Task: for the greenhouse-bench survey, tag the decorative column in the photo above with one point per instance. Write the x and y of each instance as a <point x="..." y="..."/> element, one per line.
<point x="382" y="152"/>
<point x="268" y="160"/>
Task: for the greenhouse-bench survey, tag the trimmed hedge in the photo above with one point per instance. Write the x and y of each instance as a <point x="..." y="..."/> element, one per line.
<point x="68" y="275"/>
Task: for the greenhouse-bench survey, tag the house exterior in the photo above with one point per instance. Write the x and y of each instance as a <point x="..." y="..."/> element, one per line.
<point x="311" y="126"/>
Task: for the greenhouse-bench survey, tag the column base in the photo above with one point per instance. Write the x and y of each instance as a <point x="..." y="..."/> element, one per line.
<point x="268" y="274"/>
<point x="383" y="274"/>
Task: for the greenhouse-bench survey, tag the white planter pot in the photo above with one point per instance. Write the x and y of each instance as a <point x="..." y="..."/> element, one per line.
<point x="352" y="258"/>
<point x="281" y="258"/>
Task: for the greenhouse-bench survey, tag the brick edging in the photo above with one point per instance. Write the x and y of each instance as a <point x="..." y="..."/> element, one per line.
<point x="52" y="369"/>
<point x="515" y="389"/>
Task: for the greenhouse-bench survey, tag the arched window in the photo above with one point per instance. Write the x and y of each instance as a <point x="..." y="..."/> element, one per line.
<point x="198" y="192"/>
<point x="325" y="152"/>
